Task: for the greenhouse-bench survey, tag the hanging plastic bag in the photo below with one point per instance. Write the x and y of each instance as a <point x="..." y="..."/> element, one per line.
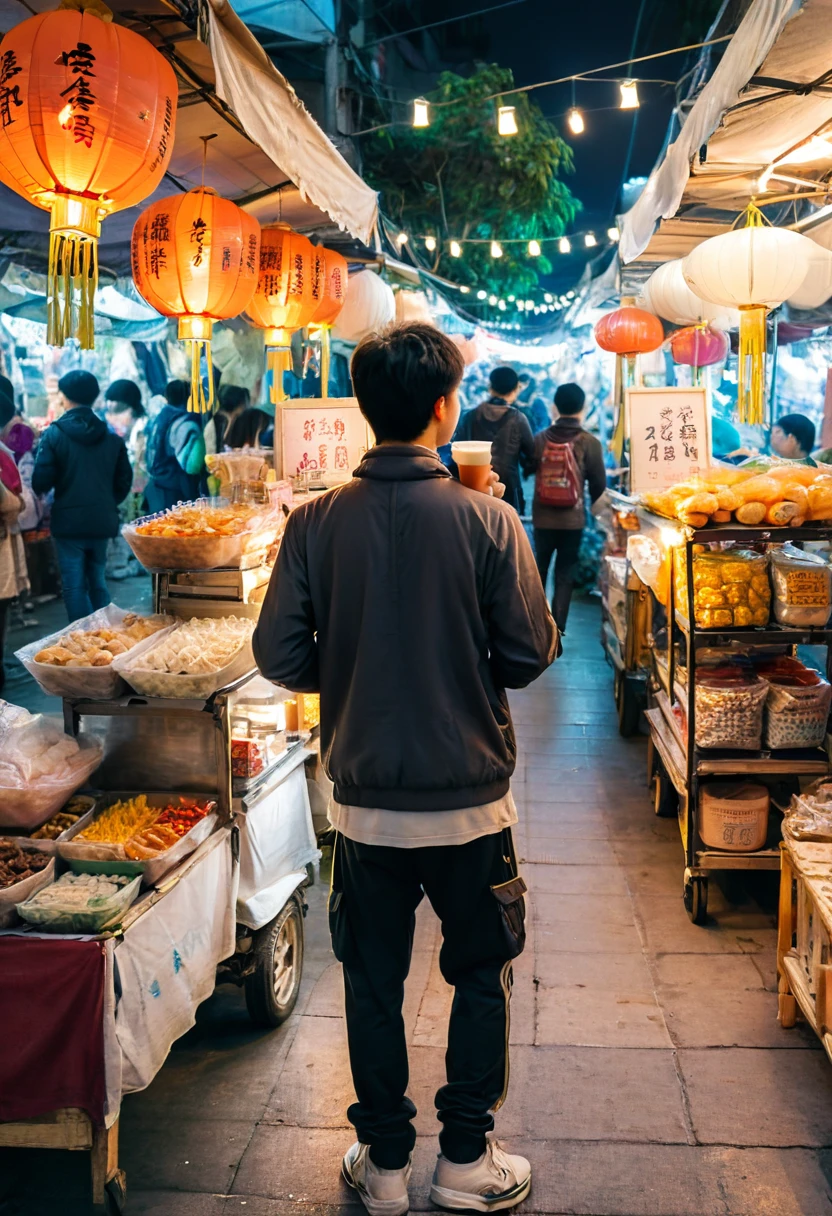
<point x="802" y="587"/>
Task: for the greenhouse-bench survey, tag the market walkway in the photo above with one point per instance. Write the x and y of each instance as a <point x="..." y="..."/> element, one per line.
<point x="650" y="1077"/>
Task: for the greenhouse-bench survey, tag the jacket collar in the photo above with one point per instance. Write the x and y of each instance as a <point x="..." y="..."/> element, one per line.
<point x="401" y="462"/>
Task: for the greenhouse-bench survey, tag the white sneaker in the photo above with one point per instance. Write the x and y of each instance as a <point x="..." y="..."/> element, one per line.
<point x="383" y="1192"/>
<point x="497" y="1180"/>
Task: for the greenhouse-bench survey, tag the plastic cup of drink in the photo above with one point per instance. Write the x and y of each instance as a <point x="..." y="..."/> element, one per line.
<point x="473" y="459"/>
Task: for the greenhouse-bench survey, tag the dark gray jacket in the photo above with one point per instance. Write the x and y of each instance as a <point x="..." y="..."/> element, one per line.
<point x="410" y="603"/>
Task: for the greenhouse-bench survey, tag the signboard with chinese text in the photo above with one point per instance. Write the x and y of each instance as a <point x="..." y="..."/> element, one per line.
<point x="323" y="437"/>
<point x="670" y="436"/>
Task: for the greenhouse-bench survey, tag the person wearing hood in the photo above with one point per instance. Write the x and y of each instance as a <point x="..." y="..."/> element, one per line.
<point x="498" y="421"/>
<point x="89" y="470"/>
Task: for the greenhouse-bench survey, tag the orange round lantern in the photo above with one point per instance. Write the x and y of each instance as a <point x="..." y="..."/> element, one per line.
<point x="330" y="279"/>
<point x="699" y="346"/>
<point x="87" y="121"/>
<point x="283" y="301"/>
<point x="630" y="332"/>
<point x="196" y="257"/>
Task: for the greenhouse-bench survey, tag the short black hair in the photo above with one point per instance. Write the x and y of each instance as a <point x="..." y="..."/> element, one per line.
<point x="801" y="427"/>
<point x="126" y="393"/>
<point x="398" y="375"/>
<point x="6" y="386"/>
<point x="177" y="392"/>
<point x="7" y="410"/>
<point x="503" y="380"/>
<point x="232" y="396"/>
<point x="246" y="429"/>
<point x="569" y="399"/>
<point x="81" y="388"/>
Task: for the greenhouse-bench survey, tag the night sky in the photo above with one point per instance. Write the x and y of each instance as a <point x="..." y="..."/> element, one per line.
<point x="542" y="41"/>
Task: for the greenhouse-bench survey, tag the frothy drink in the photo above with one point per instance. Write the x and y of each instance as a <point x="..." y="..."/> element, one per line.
<point x="473" y="459"/>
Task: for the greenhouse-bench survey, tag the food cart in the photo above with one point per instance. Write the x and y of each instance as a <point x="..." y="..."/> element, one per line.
<point x="230" y="912"/>
<point x="626" y="615"/>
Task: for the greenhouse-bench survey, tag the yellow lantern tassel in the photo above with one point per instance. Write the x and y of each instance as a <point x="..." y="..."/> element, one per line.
<point x="751" y="379"/>
<point x="196" y="331"/>
<point x="72" y="283"/>
<point x="278" y="361"/>
<point x="618" y="432"/>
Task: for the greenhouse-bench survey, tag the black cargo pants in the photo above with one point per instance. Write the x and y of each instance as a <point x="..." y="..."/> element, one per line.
<point x="375" y="892"/>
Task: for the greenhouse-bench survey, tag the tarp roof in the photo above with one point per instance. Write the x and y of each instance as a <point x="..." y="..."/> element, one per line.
<point x="759" y="115"/>
<point x="269" y="155"/>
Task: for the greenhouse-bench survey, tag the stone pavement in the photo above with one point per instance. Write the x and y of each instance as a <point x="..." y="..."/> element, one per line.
<point x="649" y="1074"/>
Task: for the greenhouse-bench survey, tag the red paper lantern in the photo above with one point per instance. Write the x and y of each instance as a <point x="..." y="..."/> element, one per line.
<point x="284" y="301"/>
<point x="629" y="331"/>
<point x="87" y="122"/>
<point x="196" y="256"/>
<point x="330" y="279"/>
<point x="699" y="346"/>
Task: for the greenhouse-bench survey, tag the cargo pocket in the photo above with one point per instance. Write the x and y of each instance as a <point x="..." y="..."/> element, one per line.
<point x="512" y="908"/>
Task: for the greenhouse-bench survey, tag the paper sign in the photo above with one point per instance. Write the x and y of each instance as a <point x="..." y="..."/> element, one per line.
<point x="324" y="437"/>
<point x="670" y="436"/>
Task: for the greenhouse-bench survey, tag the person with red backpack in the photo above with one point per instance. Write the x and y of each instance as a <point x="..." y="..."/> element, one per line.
<point x="566" y="458"/>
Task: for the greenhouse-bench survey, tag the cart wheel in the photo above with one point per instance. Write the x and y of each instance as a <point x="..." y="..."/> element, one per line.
<point x="272" y="988"/>
<point x="628" y="705"/>
<point x="665" y="798"/>
<point x="696" y="899"/>
<point x="115" y="1195"/>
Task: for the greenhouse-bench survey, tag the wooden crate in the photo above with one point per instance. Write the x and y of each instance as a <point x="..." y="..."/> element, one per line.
<point x="72" y="1129"/>
<point x="804" y="938"/>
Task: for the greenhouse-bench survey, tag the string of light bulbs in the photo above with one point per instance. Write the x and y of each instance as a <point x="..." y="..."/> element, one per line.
<point x="534" y="247"/>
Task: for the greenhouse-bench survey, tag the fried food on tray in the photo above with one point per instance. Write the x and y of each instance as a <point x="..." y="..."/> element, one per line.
<point x="190" y="519"/>
<point x="98" y="647"/>
<point x="198" y="646"/>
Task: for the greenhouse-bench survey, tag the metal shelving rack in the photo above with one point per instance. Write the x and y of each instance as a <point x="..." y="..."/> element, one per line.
<point x="676" y="764"/>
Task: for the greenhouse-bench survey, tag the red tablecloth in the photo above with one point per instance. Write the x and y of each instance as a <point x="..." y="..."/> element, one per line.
<point x="52" y="1019"/>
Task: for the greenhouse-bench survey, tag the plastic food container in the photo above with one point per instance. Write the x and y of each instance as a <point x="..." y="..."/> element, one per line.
<point x="197" y="687"/>
<point x="26" y="807"/>
<point x="734" y="817"/>
<point x="802" y="588"/>
<point x="207" y="552"/>
<point x="101" y="911"/>
<point x="730" y="589"/>
<point x="729" y="709"/>
<point x="96" y="683"/>
<point x="10" y="896"/>
<point x="94" y="857"/>
<point x="796" y="714"/>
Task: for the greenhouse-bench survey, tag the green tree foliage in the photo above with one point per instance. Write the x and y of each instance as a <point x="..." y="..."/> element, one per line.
<point x="459" y="179"/>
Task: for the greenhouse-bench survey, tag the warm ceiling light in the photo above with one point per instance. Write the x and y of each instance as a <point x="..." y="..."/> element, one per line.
<point x="629" y="95"/>
<point x="575" y="121"/>
<point x="456" y="249"/>
<point x="564" y="245"/>
<point x="492" y="300"/>
<point x="501" y="304"/>
<point x="481" y="294"/>
<point x="464" y="290"/>
<point x="496" y="249"/>
<point x="816" y="148"/>
<point x="548" y="297"/>
<point x="529" y="305"/>
<point x="534" y="249"/>
<point x="506" y="121"/>
<point x="401" y="239"/>
<point x="613" y="235"/>
<point x="430" y="243"/>
<point x="590" y="240"/>
<point x="421" y="113"/>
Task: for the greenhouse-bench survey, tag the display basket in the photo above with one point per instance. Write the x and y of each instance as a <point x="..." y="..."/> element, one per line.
<point x="26" y="807"/>
<point x="94" y="857"/>
<point x="210" y="551"/>
<point x="197" y="687"/>
<point x="107" y="914"/>
<point x="75" y="683"/>
<point x="11" y="896"/>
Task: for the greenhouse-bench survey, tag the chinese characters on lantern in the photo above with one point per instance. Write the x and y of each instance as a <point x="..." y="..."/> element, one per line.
<point x="80" y="99"/>
<point x="323" y="438"/>
<point x="9" y="94"/>
<point x="669" y="436"/>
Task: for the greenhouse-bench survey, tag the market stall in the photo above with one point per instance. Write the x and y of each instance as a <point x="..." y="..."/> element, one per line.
<point x="185" y="863"/>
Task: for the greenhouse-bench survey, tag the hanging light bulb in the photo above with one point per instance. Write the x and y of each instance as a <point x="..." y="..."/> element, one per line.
<point x="534" y="249"/>
<point x="629" y="95"/>
<point x="492" y="300"/>
<point x="481" y="294"/>
<point x="521" y="304"/>
<point x="496" y="249"/>
<point x="464" y="289"/>
<point x="575" y="121"/>
<point x="536" y="310"/>
<point x="613" y="235"/>
<point x="430" y="243"/>
<point x="548" y="297"/>
<point x="456" y="249"/>
<point x="510" y="299"/>
<point x="506" y="121"/>
<point x="590" y="240"/>
<point x="501" y="304"/>
<point x="529" y="305"/>
<point x="564" y="245"/>
<point x="421" y="113"/>
<point x="401" y="239"/>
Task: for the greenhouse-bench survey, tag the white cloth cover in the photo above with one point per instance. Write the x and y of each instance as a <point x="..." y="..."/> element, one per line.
<point x="746" y="51"/>
<point x="167" y="961"/>
<point x="276" y="840"/>
<point x="275" y="118"/>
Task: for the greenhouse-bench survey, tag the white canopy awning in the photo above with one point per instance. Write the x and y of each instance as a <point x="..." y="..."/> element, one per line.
<point x="767" y="99"/>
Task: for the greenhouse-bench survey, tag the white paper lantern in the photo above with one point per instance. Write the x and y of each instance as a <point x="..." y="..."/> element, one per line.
<point x="667" y="295"/>
<point x="412" y="306"/>
<point x="816" y="288"/>
<point x="369" y="306"/>
<point x="758" y="266"/>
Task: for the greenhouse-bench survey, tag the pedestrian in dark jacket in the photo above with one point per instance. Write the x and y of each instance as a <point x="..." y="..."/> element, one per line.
<point x="411" y="602"/>
<point x="88" y="468"/>
<point x="559" y="529"/>
<point x="174" y="452"/>
<point x="498" y="421"/>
